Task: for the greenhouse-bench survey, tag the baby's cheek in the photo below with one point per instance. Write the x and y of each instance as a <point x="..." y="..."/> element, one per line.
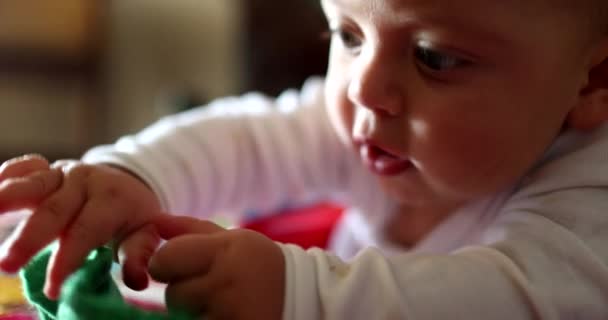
<point x="457" y="170"/>
<point x="341" y="118"/>
<point x="474" y="174"/>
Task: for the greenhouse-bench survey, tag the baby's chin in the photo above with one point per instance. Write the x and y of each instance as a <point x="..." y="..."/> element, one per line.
<point x="405" y="192"/>
<point x="415" y="192"/>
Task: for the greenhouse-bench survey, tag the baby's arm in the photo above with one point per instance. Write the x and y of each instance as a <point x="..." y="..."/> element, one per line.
<point x="248" y="153"/>
<point x="240" y="153"/>
<point x="476" y="284"/>
<point x="546" y="262"/>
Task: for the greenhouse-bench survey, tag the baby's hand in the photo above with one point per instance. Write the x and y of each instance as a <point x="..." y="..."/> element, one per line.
<point x="83" y="207"/>
<point x="224" y="274"/>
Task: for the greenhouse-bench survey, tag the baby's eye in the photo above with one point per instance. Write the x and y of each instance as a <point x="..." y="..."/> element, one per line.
<point x="348" y="39"/>
<point x="435" y="60"/>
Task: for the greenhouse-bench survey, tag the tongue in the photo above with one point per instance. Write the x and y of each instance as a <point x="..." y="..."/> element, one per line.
<point x="390" y="165"/>
<point x="383" y="162"/>
<point x="377" y="153"/>
<point x="387" y="158"/>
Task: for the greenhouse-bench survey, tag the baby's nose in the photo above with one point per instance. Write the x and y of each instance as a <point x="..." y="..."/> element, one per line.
<point x="374" y="85"/>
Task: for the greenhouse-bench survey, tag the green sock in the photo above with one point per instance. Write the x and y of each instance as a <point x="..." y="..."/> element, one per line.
<point x="90" y="293"/>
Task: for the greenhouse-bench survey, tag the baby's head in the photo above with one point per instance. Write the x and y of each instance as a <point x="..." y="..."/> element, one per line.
<point x="449" y="101"/>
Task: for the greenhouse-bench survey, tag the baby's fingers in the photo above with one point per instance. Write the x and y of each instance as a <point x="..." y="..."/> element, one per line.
<point x="169" y="226"/>
<point x="22" y="166"/>
<point x="191" y="295"/>
<point x="185" y="256"/>
<point x="25" y="192"/>
<point x="97" y="223"/>
<point x="190" y="250"/>
<point x="46" y="223"/>
<point x="134" y="253"/>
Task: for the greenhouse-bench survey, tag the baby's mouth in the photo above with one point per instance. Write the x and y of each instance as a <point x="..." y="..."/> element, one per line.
<point x="383" y="162"/>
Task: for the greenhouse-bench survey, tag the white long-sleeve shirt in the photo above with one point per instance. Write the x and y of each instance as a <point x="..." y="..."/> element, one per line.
<point x="538" y="250"/>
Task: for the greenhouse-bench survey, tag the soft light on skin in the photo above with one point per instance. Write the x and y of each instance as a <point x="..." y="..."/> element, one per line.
<point x="419" y="127"/>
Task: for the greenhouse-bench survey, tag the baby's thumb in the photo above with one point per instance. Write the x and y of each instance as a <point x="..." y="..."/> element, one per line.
<point x="134" y="253"/>
<point x="169" y="226"/>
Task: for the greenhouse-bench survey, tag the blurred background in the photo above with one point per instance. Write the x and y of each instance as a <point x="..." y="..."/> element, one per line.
<point x="76" y="73"/>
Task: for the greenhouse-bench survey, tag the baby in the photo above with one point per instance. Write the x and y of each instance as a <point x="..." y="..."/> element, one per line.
<point x="466" y="139"/>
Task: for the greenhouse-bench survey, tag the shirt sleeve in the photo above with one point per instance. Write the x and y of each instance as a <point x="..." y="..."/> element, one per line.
<point x="249" y="153"/>
<point x="545" y="257"/>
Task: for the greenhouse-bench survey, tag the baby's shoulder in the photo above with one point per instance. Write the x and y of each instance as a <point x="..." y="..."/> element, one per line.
<point x="568" y="188"/>
<point x="577" y="160"/>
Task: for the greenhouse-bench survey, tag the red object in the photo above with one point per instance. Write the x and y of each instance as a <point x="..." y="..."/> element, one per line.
<point x="306" y="227"/>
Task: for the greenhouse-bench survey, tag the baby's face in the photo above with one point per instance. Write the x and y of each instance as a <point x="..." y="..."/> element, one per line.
<point x="447" y="101"/>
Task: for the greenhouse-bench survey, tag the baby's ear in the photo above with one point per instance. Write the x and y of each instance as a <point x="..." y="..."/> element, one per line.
<point x="592" y="108"/>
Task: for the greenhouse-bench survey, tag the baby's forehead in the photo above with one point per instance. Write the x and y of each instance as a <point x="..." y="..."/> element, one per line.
<point x="402" y="10"/>
<point x="445" y="4"/>
<point x="390" y="11"/>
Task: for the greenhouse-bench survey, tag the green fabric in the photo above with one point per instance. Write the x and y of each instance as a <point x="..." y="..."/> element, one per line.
<point x="90" y="293"/>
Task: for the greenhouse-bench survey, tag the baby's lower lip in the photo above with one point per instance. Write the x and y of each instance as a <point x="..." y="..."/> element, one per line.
<point x="382" y="163"/>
